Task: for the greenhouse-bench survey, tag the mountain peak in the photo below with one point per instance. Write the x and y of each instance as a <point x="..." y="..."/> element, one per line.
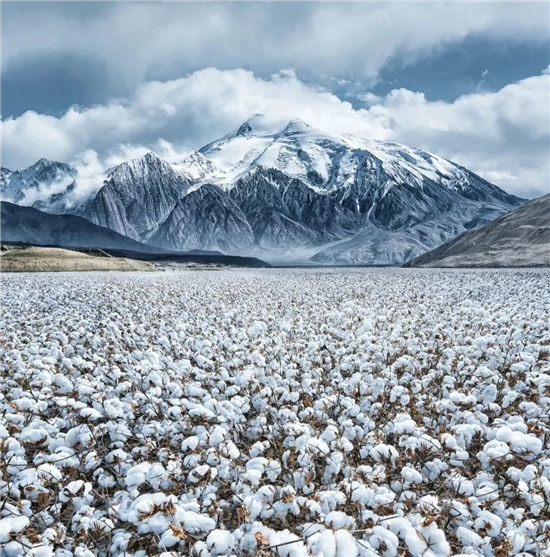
<point x="196" y="158"/>
<point x="196" y="166"/>
<point x="244" y="129"/>
<point x="299" y="124"/>
<point x="42" y="162"/>
<point x="249" y="127"/>
<point x="152" y="157"/>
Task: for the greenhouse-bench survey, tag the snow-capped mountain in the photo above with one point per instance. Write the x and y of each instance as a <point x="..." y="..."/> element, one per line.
<point x="329" y="162"/>
<point x="369" y="201"/>
<point x="45" y="185"/>
<point x="196" y="167"/>
<point x="137" y="197"/>
<point x="297" y="193"/>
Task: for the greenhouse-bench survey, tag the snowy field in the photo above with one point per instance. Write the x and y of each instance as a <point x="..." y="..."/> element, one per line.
<point x="275" y="412"/>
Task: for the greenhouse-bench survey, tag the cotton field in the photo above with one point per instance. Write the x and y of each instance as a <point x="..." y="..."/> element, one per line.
<point x="335" y="413"/>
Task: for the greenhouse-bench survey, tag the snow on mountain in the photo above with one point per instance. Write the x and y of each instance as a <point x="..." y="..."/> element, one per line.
<point x="137" y="196"/>
<point x="44" y="185"/>
<point x="374" y="245"/>
<point x="195" y="167"/>
<point x="5" y="174"/>
<point x="328" y="161"/>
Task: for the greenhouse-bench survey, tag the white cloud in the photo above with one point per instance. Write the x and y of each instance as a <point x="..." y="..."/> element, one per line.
<point x="503" y="135"/>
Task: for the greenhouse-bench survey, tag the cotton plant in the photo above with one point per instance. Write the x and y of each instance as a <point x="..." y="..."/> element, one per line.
<point x="275" y="412"/>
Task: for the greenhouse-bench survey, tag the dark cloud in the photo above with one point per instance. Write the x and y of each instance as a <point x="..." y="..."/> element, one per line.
<point x="106" y="49"/>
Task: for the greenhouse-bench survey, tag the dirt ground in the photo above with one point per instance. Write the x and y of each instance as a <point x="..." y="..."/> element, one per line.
<point x="37" y="259"/>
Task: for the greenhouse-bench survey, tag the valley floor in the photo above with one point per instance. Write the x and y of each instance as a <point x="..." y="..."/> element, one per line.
<point x="327" y="412"/>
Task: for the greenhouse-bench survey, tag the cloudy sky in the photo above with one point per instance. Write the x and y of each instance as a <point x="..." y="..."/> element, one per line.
<point x="100" y="82"/>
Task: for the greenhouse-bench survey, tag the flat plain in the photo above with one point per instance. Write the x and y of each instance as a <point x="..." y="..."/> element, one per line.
<point x="327" y="412"/>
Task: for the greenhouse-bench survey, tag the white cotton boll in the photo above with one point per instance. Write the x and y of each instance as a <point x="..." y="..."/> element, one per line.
<point x="536" y="504"/>
<point x="493" y="450"/>
<point x="429" y="502"/>
<point x="74" y="487"/>
<point x="257" y="449"/>
<point x="324" y="545"/>
<point x="12" y="525"/>
<point x="220" y="542"/>
<point x="382" y="452"/>
<point x="289" y="544"/>
<point x="416" y="544"/>
<point x="346" y="546"/>
<point x="339" y="519"/>
<point x="399" y="394"/>
<point x="256" y="330"/>
<point x="404" y="424"/>
<point x="410" y="475"/>
<point x="114" y="408"/>
<point x="330" y="433"/>
<point x="91" y="414"/>
<point x="217" y="436"/>
<point x="346" y="445"/>
<point x="195" y="523"/>
<point x="80" y="437"/>
<point x="190" y="443"/>
<point x="49" y="473"/>
<point x="81" y="552"/>
<point x="468" y="537"/>
<point x="318" y="446"/>
<point x="489" y="394"/>
<point x="33" y="434"/>
<point x="436" y="541"/>
<point x="385" y="541"/>
<point x="253" y="476"/>
<point x="525" y="444"/>
<point x="489" y="522"/>
<point x="41" y="551"/>
<point x="136" y="474"/>
<point x="257" y="359"/>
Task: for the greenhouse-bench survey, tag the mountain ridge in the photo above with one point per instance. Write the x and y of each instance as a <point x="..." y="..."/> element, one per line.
<point x="520" y="238"/>
<point x="31" y="226"/>
<point x="295" y="188"/>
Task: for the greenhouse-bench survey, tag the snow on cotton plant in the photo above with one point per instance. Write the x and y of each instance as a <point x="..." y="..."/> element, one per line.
<point x="275" y="412"/>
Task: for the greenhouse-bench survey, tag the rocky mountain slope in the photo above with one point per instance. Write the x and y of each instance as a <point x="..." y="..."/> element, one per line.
<point x="520" y="238"/>
<point x="297" y="193"/>
<point x="29" y="225"/>
<point x="136" y="197"/>
<point x="205" y="217"/>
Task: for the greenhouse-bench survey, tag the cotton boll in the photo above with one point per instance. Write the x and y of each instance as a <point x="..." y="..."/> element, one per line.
<point x="12" y="525"/>
<point x="339" y="519"/>
<point x="468" y="537"/>
<point x="384" y="541"/>
<point x="489" y="522"/>
<point x="325" y="545"/>
<point x="220" y="542"/>
<point x="346" y="546"/>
